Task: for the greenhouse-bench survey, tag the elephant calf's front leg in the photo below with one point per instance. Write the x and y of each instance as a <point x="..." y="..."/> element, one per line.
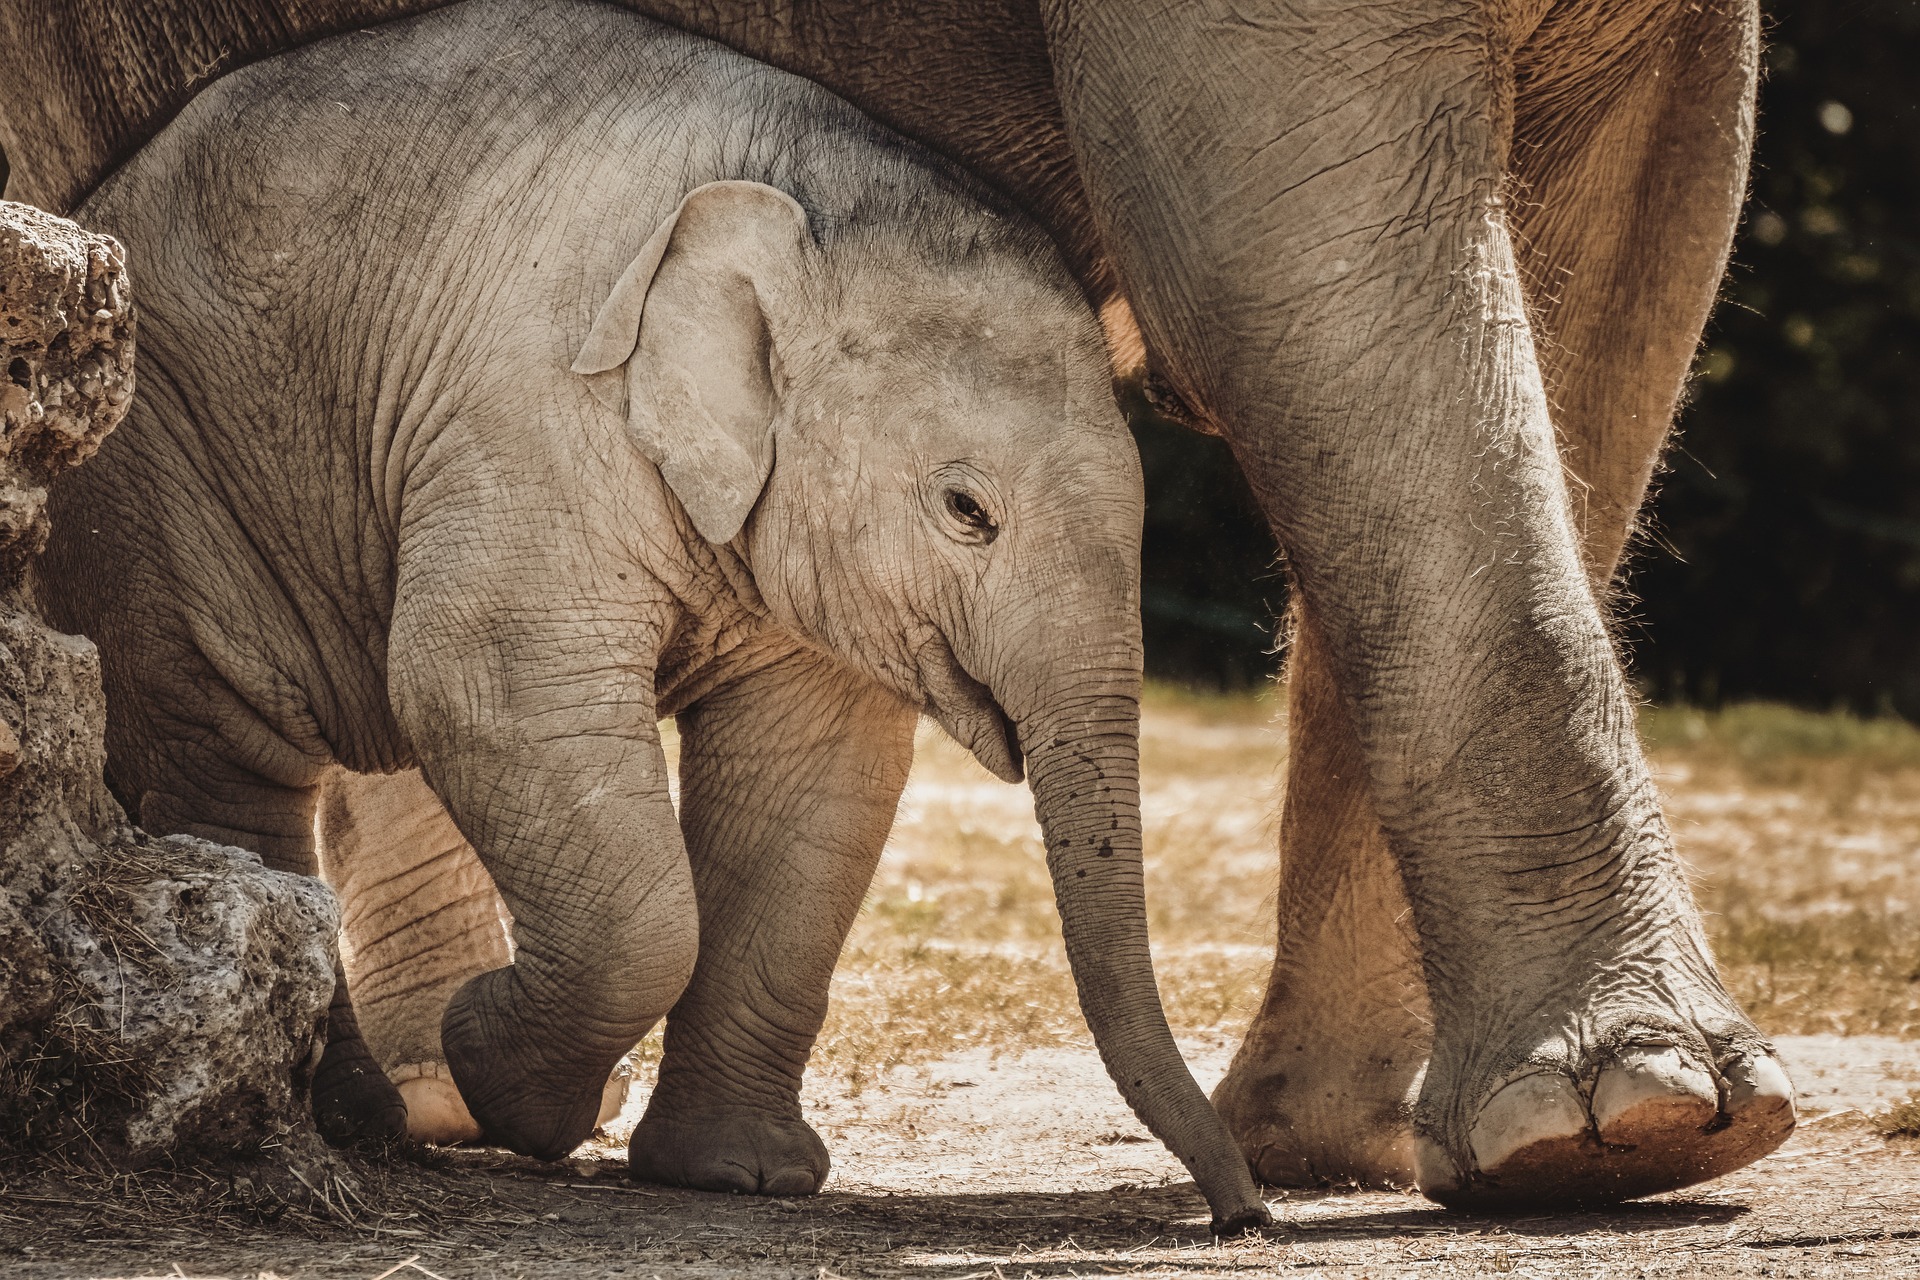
<point x="420" y="918"/>
<point x="537" y="731"/>
<point x="789" y="781"/>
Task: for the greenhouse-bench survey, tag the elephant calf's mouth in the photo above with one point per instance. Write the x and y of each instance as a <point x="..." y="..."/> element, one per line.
<point x="966" y="709"/>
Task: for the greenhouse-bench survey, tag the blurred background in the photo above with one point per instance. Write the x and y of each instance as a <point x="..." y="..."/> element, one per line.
<point x="1782" y="560"/>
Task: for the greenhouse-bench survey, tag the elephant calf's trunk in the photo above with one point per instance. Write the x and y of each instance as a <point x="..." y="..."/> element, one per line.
<point x="1087" y="794"/>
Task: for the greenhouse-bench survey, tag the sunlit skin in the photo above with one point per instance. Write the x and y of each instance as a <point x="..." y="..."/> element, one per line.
<point x="768" y="421"/>
<point x="1436" y="271"/>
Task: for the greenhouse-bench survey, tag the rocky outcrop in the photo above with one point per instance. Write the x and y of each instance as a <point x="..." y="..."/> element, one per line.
<point x="159" y="997"/>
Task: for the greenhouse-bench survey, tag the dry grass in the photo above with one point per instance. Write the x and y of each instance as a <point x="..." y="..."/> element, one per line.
<point x="1800" y="826"/>
<point x="1901" y="1120"/>
<point x="1803" y="829"/>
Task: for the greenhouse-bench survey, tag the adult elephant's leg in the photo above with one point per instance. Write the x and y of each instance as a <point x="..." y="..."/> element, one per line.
<point x="789" y="781"/>
<point x="1629" y="186"/>
<point x="1629" y="172"/>
<point x="1318" y="247"/>
<point x="1322" y="1087"/>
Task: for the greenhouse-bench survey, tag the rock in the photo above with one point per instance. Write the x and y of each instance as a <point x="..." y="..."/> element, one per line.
<point x="66" y="363"/>
<point x="160" y="999"/>
<point x="194" y="987"/>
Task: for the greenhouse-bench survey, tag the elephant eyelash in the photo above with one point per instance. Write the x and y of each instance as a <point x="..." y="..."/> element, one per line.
<point x="966" y="508"/>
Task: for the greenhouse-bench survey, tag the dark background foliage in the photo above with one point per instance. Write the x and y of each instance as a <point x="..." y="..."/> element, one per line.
<point x="1211" y="590"/>
<point x="1783" y="557"/>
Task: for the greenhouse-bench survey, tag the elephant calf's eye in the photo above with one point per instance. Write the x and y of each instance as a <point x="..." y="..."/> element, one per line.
<point x="966" y="508"/>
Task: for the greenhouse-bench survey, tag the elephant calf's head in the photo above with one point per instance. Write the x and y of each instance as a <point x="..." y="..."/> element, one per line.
<point x="905" y="424"/>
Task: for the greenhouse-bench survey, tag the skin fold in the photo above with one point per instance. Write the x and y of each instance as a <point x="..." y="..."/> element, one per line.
<point x="510" y="385"/>
<point x="1436" y="272"/>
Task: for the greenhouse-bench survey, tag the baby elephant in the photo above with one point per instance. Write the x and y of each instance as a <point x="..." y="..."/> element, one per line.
<point x="520" y="374"/>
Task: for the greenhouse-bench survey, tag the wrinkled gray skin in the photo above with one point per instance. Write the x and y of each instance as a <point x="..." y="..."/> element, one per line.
<point x="1436" y="270"/>
<point x="499" y="399"/>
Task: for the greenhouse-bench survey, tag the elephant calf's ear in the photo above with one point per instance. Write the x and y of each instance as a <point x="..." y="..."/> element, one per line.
<point x="687" y="327"/>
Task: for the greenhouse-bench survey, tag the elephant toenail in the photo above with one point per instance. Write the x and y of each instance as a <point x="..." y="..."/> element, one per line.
<point x="1434" y="1171"/>
<point x="1542" y="1106"/>
<point x="613" y="1098"/>
<point x="1758" y="1083"/>
<point x="435" y="1111"/>
<point x="1653" y="1091"/>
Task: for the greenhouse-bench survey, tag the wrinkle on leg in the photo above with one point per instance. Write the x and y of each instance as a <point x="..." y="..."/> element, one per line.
<point x="420" y="917"/>
<point x="419" y="912"/>
<point x="790" y="777"/>
<point x="1633" y="126"/>
<point x="534" y="724"/>
<point x="1322" y="1086"/>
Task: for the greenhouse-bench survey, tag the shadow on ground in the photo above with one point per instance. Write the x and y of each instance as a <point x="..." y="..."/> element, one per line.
<point x="484" y="1213"/>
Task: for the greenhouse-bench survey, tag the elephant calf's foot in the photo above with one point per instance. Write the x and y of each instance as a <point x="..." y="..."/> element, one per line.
<point x="521" y="1098"/>
<point x="1654" y="1113"/>
<point x="733" y="1150"/>
<point x="436" y="1112"/>
<point x="353" y="1101"/>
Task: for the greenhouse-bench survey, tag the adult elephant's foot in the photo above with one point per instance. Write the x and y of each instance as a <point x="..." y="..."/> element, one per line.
<point x="1316" y="1112"/>
<point x="730" y="1149"/>
<point x="1627" y="1107"/>
<point x="1322" y="1089"/>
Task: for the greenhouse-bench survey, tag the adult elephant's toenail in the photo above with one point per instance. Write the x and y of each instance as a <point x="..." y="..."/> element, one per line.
<point x="1653" y="1092"/>
<point x="1434" y="1171"/>
<point x="613" y="1098"/>
<point x="1758" y="1090"/>
<point x="1540" y="1107"/>
<point x="1757" y="1078"/>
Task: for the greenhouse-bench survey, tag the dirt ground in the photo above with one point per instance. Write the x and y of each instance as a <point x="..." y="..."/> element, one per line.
<point x="975" y="1135"/>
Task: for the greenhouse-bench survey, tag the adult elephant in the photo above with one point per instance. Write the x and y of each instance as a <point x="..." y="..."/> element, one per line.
<point x="1436" y="271"/>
